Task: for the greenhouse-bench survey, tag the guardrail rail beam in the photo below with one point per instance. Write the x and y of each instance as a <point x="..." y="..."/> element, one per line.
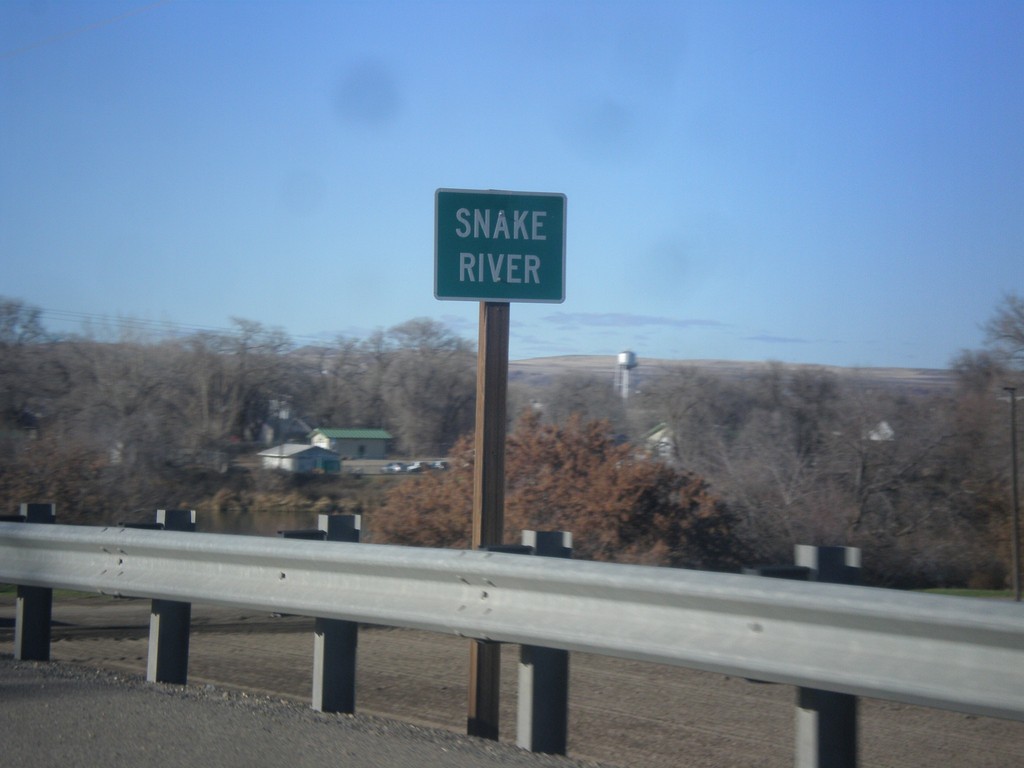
<point x="955" y="653"/>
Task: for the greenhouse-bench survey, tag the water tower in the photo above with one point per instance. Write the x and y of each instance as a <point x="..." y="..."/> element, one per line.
<point x="627" y="362"/>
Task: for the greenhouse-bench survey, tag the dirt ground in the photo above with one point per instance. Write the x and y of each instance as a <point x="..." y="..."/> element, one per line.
<point x="621" y="712"/>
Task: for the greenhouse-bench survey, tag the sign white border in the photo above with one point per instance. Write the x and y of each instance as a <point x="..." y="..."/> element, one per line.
<point x="478" y="192"/>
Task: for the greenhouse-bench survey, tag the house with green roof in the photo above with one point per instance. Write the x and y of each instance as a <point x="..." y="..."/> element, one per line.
<point x="353" y="443"/>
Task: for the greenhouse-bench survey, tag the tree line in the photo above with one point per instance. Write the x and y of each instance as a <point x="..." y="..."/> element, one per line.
<point x="920" y="480"/>
<point x="141" y="418"/>
<point x="751" y="465"/>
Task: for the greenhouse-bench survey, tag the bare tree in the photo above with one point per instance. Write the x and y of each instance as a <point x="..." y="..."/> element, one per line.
<point x="696" y="407"/>
<point x="429" y="386"/>
<point x="1004" y="332"/>
<point x="346" y="391"/>
<point x="31" y="372"/>
<point x="20" y="323"/>
<point x="124" y="401"/>
<point x="586" y="396"/>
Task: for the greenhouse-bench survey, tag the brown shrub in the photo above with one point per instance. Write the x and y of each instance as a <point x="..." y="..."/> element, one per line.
<point x="576" y="478"/>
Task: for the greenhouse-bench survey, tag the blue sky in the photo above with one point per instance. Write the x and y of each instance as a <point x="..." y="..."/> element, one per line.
<point x="833" y="183"/>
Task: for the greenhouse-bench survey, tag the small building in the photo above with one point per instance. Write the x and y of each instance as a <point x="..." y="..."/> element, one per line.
<point x="353" y="443"/>
<point x="881" y="433"/>
<point x="281" y="426"/>
<point x="660" y="441"/>
<point x="300" y="458"/>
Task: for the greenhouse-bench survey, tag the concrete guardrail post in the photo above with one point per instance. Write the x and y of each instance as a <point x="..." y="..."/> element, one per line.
<point x="542" y="721"/>
<point x="34" y="608"/>
<point x="170" y="620"/>
<point x="826" y="722"/>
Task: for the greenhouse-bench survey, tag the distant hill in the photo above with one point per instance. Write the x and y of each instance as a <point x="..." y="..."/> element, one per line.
<point x="541" y="370"/>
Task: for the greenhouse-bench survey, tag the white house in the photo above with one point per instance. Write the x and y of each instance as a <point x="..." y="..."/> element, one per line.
<point x="660" y="441"/>
<point x="353" y="443"/>
<point x="301" y="458"/>
<point x="882" y="433"/>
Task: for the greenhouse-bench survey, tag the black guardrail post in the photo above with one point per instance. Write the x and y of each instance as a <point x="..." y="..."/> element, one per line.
<point x="335" y="641"/>
<point x="826" y="722"/>
<point x="170" y="620"/>
<point x="542" y="718"/>
<point x="34" y="609"/>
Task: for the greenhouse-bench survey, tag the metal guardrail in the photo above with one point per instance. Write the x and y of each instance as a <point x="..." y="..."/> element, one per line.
<point x="954" y="653"/>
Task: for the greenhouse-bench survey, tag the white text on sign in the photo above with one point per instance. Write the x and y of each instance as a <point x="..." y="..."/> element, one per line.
<point x="480" y="226"/>
<point x="507" y="267"/>
<point x="512" y="267"/>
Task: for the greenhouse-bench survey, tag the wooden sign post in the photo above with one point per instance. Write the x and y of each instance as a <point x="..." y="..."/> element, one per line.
<point x="491" y="397"/>
<point x="489" y="501"/>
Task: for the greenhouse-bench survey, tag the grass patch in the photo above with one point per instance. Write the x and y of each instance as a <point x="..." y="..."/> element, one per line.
<point x="58" y="594"/>
<point x="992" y="594"/>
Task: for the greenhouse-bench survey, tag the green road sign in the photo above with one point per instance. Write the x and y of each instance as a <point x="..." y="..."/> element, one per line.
<point x="499" y="246"/>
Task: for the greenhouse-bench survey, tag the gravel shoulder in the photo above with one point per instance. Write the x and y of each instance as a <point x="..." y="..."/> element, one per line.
<point x="57" y="714"/>
<point x="621" y="712"/>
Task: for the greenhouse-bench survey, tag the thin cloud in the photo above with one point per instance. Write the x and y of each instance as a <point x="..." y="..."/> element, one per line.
<point x="769" y="339"/>
<point x="539" y="344"/>
<point x="625" y="320"/>
<point x="460" y="325"/>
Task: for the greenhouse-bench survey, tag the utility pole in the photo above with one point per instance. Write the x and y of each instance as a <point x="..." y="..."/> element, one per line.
<point x="1012" y="392"/>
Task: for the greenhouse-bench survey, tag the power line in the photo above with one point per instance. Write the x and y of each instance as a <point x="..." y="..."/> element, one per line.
<point x="62" y="36"/>
<point x="162" y="327"/>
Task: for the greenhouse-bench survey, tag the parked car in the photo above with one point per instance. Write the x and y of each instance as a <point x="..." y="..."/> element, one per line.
<point x="395" y="467"/>
<point x="416" y="466"/>
<point x="439" y="465"/>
